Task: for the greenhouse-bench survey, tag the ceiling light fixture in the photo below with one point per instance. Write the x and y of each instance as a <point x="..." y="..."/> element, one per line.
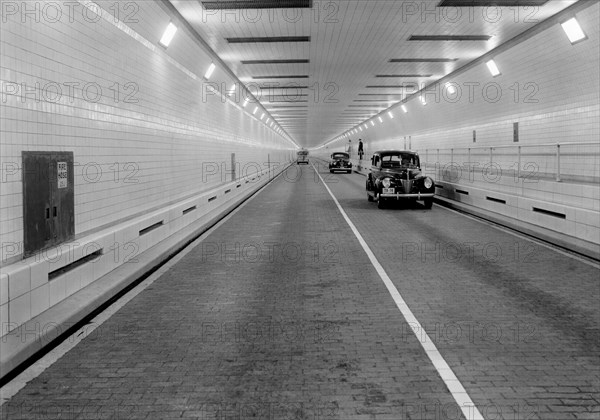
<point x="390" y="114"/>
<point x="403" y="107"/>
<point x="573" y="30"/>
<point x="210" y="70"/>
<point x="168" y="35"/>
<point x="493" y="68"/>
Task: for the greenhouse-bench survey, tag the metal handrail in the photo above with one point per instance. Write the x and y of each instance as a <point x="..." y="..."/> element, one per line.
<point x="519" y="147"/>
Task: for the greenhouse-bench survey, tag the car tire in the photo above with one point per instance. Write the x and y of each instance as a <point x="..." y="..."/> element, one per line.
<point x="428" y="203"/>
<point x="370" y="198"/>
<point x="350" y="171"/>
<point x="331" y="171"/>
<point x="381" y="203"/>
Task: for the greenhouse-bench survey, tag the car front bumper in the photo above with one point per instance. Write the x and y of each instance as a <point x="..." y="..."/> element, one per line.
<point x="399" y="196"/>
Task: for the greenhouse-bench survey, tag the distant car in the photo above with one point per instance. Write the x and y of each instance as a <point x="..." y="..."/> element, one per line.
<point x="302" y="156"/>
<point x="340" y="161"/>
<point x="396" y="175"/>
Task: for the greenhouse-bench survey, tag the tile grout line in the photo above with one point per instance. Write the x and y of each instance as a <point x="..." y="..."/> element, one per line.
<point x="458" y="392"/>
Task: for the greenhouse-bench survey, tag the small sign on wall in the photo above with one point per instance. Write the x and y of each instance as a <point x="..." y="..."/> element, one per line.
<point x="62" y="174"/>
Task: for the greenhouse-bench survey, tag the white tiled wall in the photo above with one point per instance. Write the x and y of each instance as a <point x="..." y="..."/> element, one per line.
<point x="143" y="137"/>
<point x="143" y="143"/>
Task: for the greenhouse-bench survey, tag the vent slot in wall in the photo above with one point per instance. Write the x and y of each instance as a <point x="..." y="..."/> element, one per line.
<point x="88" y="258"/>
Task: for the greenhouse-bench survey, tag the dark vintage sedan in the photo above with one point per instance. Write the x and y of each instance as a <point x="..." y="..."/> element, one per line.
<point x="396" y="175"/>
<point x="340" y="161"/>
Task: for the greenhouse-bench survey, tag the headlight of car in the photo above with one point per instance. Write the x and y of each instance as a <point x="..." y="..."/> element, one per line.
<point x="386" y="182"/>
<point x="428" y="182"/>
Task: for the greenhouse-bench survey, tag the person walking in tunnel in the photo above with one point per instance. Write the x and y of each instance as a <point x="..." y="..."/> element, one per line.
<point x="360" y="149"/>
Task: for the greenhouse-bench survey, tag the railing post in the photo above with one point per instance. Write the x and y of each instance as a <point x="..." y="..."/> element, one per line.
<point x="451" y="156"/>
<point x="469" y="162"/>
<point x="557" y="162"/>
<point x="491" y="156"/>
<point x="518" y="163"/>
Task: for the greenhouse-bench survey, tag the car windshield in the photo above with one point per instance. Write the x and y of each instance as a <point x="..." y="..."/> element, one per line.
<point x="302" y="152"/>
<point x="339" y="156"/>
<point x="400" y="160"/>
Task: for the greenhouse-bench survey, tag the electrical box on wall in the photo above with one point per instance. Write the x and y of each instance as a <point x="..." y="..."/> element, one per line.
<point x="48" y="199"/>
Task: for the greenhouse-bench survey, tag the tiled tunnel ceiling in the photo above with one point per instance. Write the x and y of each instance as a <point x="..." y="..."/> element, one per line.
<point x="319" y="58"/>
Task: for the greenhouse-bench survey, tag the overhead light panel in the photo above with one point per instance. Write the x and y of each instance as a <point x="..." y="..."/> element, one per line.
<point x="255" y="109"/>
<point x="168" y="35"/>
<point x="262" y="116"/>
<point x="403" y="107"/>
<point x="245" y="103"/>
<point x="372" y="123"/>
<point x="390" y="114"/>
<point x="573" y="30"/>
<point x="380" y="120"/>
<point x="210" y="70"/>
<point x="493" y="68"/>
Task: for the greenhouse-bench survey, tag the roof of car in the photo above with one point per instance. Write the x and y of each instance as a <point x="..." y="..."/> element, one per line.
<point x="392" y="152"/>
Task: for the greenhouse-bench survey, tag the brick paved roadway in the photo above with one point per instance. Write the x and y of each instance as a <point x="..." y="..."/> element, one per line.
<point x="279" y="315"/>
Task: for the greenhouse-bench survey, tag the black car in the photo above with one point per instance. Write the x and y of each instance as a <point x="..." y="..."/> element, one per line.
<point x="396" y="175"/>
<point x="340" y="161"/>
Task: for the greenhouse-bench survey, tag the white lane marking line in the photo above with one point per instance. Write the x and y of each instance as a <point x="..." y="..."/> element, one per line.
<point x="523" y="236"/>
<point x="458" y="392"/>
<point x="10" y="389"/>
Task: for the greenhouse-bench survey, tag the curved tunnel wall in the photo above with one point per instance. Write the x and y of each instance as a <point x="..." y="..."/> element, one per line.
<point x="153" y="148"/>
<point x="546" y="174"/>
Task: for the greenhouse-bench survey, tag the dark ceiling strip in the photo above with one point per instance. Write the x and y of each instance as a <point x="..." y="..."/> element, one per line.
<point x="449" y="38"/>
<point x="246" y="40"/>
<point x="289" y="106"/>
<point x="291" y="76"/>
<point x="403" y="75"/>
<point x="422" y="60"/>
<point x="299" y="61"/>
<point x="285" y="101"/>
<point x="491" y="3"/>
<point x="256" y="4"/>
<point x="282" y="87"/>
<point x="380" y="94"/>
<point x="406" y="86"/>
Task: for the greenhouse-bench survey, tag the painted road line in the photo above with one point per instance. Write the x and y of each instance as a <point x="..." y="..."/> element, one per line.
<point x="458" y="392"/>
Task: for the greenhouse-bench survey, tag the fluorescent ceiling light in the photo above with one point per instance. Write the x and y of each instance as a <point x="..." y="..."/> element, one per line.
<point x="255" y="109"/>
<point x="493" y="68"/>
<point x="390" y="114"/>
<point x="423" y="101"/>
<point x="262" y="116"/>
<point x="268" y="119"/>
<point x="245" y="103"/>
<point x="168" y="35"/>
<point x="573" y="30"/>
<point x="373" y="123"/>
<point x="403" y="107"/>
<point x="380" y="120"/>
<point x="360" y="128"/>
<point x="210" y="70"/>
